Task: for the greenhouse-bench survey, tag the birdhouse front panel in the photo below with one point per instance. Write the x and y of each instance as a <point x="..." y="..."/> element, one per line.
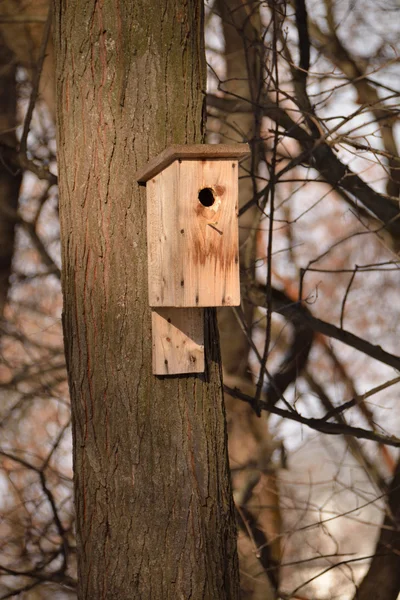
<point x="192" y="219"/>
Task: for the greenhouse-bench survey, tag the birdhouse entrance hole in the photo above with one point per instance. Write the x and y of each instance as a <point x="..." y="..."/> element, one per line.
<point x="206" y="197"/>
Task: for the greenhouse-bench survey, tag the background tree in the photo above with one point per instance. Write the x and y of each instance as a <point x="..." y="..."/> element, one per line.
<point x="9" y="182"/>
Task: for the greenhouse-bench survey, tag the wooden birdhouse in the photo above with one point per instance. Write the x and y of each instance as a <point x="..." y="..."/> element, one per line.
<point x="192" y="228"/>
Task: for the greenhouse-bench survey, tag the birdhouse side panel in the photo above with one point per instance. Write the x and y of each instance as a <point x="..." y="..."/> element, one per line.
<point x="164" y="242"/>
<point x="208" y="222"/>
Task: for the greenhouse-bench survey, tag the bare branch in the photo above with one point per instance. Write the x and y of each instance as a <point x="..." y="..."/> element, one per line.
<point x="295" y="310"/>
<point x="322" y="157"/>
<point x="317" y="424"/>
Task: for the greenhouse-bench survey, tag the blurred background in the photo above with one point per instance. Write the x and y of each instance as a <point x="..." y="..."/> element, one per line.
<point x="313" y="87"/>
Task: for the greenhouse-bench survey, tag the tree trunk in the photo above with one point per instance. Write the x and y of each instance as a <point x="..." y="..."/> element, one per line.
<point x="10" y="180"/>
<point x="152" y="489"/>
<point x="382" y="581"/>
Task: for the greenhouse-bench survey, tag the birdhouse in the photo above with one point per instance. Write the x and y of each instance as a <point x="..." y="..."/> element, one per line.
<point x="192" y="227"/>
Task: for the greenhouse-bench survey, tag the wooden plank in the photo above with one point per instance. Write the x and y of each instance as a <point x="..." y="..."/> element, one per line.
<point x="191" y="152"/>
<point x="193" y="249"/>
<point x="178" y="341"/>
<point x="162" y="236"/>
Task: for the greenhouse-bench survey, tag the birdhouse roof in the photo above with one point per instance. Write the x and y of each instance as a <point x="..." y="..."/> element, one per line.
<point x="191" y="152"/>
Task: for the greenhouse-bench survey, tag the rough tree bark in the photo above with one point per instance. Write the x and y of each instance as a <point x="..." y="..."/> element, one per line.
<point x="152" y="489"/>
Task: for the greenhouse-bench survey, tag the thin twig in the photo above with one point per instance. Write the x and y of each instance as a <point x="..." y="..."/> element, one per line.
<point x="345" y="297"/>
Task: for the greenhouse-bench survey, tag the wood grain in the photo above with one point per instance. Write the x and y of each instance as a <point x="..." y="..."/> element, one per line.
<point x="193" y="253"/>
<point x="178" y="341"/>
